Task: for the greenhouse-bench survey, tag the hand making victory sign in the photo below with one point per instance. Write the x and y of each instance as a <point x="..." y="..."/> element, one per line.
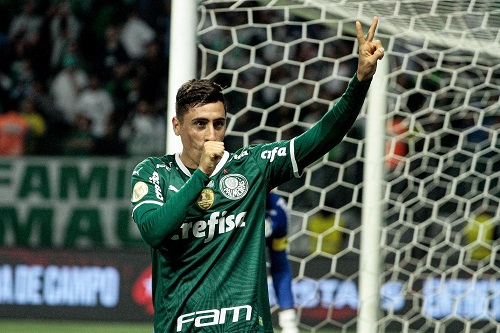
<point x="370" y="51"/>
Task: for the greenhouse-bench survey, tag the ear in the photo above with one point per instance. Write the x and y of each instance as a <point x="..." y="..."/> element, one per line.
<point x="175" y="125"/>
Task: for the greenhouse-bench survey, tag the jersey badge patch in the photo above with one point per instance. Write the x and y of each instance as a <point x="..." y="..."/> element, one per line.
<point x="206" y="199"/>
<point x="140" y="190"/>
<point x="233" y="186"/>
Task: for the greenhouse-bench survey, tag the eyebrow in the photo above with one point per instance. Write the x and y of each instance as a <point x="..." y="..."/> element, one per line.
<point x="206" y="119"/>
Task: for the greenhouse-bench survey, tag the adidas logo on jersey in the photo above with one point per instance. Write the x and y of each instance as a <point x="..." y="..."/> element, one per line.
<point x="218" y="223"/>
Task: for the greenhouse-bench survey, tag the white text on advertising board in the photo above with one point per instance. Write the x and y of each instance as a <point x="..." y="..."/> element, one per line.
<point x="55" y="286"/>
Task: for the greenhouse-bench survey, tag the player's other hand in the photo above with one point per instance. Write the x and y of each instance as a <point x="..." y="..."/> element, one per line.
<point x="211" y="156"/>
<point x="370" y="51"/>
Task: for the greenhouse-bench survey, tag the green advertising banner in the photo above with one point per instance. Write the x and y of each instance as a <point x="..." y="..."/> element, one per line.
<point x="66" y="202"/>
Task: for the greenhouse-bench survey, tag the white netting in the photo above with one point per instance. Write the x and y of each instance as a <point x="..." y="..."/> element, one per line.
<point x="284" y="63"/>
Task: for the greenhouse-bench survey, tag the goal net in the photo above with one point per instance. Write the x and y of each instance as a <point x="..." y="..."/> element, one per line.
<point x="285" y="63"/>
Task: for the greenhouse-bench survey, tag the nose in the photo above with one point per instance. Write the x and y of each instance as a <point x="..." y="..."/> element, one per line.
<point x="211" y="133"/>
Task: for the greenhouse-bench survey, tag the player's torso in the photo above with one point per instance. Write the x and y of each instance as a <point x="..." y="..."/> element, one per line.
<point x="233" y="201"/>
<point x="217" y="253"/>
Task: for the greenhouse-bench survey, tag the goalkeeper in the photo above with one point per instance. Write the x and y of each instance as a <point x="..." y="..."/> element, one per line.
<point x="202" y="211"/>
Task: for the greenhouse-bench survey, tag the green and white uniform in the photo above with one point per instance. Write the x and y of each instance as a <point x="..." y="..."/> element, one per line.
<point x="207" y="233"/>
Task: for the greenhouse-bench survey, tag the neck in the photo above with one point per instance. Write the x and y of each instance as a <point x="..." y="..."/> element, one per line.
<point x="188" y="161"/>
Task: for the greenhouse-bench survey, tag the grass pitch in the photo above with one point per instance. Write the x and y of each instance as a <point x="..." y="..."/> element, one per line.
<point x="37" y="326"/>
<point x="50" y="326"/>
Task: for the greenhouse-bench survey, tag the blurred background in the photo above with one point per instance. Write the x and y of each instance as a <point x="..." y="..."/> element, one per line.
<point x="82" y="100"/>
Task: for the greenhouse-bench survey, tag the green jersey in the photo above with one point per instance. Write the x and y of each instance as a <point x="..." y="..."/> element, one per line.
<point x="206" y="233"/>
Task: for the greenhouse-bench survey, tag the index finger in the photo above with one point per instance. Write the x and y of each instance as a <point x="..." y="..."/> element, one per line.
<point x="371" y="31"/>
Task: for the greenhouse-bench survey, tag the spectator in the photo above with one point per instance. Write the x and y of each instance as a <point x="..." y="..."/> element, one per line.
<point x="479" y="231"/>
<point x="145" y="132"/>
<point x="26" y="36"/>
<point x="80" y="140"/>
<point x="66" y="87"/>
<point x="153" y="72"/>
<point x="22" y="75"/>
<point x="6" y="100"/>
<point x="135" y="35"/>
<point x="44" y="102"/>
<point x="111" y="52"/>
<point x="323" y="223"/>
<point x="40" y="55"/>
<point x="110" y="144"/>
<point x="26" y="25"/>
<point x="14" y="133"/>
<point x="396" y="146"/>
<point x="37" y="124"/>
<point x="64" y="29"/>
<point x="96" y="103"/>
<point x="56" y="126"/>
<point x="123" y="89"/>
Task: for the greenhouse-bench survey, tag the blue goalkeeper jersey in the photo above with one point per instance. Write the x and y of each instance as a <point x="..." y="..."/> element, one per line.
<point x="277" y="218"/>
<point x="207" y="233"/>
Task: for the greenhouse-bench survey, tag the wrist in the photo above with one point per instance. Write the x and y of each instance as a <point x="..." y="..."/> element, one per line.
<point x="205" y="177"/>
<point x="363" y="77"/>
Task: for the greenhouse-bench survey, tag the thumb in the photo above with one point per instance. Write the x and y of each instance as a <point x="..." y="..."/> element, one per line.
<point x="379" y="53"/>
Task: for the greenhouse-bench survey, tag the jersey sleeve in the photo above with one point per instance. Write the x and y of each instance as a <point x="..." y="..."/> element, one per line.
<point x="281" y="161"/>
<point x="331" y="129"/>
<point x="275" y="160"/>
<point x="157" y="218"/>
<point x="146" y="192"/>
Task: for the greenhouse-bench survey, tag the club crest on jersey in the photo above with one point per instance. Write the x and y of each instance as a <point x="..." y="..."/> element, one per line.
<point x="233" y="186"/>
<point x="206" y="199"/>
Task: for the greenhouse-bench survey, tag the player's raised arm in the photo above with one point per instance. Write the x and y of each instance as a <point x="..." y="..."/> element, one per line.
<point x="330" y="130"/>
<point x="370" y="51"/>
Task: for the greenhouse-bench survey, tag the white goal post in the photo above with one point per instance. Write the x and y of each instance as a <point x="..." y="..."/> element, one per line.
<point x="396" y="229"/>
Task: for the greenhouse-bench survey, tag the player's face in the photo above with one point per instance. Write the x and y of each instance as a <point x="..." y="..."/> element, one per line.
<point x="201" y="124"/>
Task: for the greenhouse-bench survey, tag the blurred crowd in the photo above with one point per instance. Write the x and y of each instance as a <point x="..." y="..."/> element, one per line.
<point x="83" y="77"/>
<point x="87" y="77"/>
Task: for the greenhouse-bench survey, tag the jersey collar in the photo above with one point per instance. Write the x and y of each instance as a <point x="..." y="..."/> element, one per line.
<point x="186" y="171"/>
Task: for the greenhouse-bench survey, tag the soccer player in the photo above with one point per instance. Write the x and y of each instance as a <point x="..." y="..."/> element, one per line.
<point x="202" y="210"/>
<point x="276" y="241"/>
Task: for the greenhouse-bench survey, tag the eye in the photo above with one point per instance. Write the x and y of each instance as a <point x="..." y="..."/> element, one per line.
<point x="219" y="124"/>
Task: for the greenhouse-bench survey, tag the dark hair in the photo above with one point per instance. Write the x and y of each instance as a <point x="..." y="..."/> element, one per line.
<point x="197" y="93"/>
